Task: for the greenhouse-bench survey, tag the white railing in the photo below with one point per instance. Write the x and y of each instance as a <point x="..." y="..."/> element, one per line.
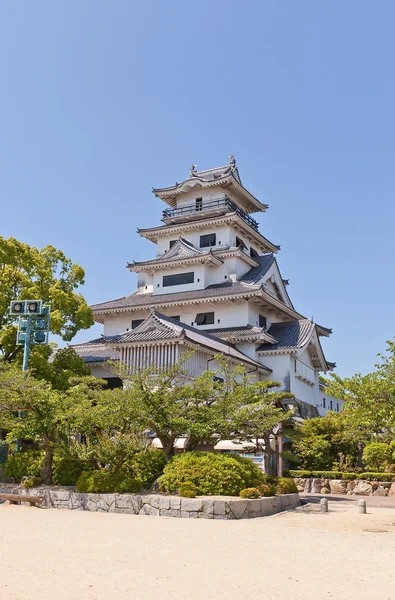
<point x="304" y="372"/>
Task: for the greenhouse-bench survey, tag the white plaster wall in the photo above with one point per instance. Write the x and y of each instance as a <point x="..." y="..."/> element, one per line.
<point x="223" y="238"/>
<point x="337" y="405"/>
<point x="281" y="367"/>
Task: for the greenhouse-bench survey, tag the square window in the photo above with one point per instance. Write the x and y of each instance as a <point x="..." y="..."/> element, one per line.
<point x="205" y="318"/>
<point x="262" y="321"/>
<point x="208" y="240"/>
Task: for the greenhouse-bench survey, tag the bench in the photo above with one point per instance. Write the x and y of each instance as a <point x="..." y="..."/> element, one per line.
<point x="16" y="498"/>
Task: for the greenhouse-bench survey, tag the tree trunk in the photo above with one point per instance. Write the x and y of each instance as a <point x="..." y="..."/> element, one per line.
<point x="360" y="447"/>
<point x="46" y="469"/>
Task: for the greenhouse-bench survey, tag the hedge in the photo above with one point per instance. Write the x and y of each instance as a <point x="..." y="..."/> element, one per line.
<point x="344" y="476"/>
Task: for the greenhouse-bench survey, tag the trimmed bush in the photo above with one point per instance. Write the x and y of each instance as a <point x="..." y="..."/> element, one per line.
<point x="267" y="489"/>
<point x="250" y="493"/>
<point x="24" y="464"/>
<point x="211" y="473"/>
<point x="344" y="476"/>
<point x="32" y="482"/>
<point x="286" y="486"/>
<point x="377" y="456"/>
<point x="376" y="476"/>
<point x="103" y="481"/>
<point x="147" y="466"/>
<point x="67" y="469"/>
<point x="187" y="490"/>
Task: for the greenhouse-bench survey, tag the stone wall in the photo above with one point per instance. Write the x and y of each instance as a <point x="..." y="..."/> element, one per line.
<point x="358" y="487"/>
<point x="204" y="507"/>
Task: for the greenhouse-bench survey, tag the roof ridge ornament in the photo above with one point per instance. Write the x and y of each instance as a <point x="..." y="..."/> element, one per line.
<point x="232" y="160"/>
<point x="192" y="170"/>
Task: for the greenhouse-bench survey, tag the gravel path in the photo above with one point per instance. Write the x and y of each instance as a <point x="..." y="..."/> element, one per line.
<point x="68" y="555"/>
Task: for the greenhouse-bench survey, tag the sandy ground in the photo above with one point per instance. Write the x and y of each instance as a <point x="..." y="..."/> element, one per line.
<point x="69" y="555"/>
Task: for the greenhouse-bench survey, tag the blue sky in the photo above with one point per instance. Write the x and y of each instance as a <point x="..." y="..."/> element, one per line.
<point x="102" y="100"/>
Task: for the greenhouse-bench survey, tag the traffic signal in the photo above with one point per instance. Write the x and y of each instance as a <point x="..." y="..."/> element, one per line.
<point x="17" y="307"/>
<point x="39" y="337"/>
<point x="33" y="307"/>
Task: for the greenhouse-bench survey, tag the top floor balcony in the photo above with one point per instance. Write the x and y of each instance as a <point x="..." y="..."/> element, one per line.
<point x="205" y="210"/>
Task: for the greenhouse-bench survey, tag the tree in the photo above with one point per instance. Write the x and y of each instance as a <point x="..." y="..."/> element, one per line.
<point x="32" y="409"/>
<point x="27" y="273"/>
<point x="60" y="372"/>
<point x="216" y="405"/>
<point x="319" y="442"/>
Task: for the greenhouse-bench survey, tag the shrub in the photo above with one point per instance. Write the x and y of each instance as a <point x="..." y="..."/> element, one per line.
<point x="187" y="490"/>
<point x="103" y="481"/>
<point x="3" y="452"/>
<point x="376" y="456"/>
<point x="250" y="493"/>
<point x="24" y="464"/>
<point x="67" y="469"/>
<point x="31" y="482"/>
<point x="267" y="489"/>
<point x="147" y="466"/>
<point x="376" y="476"/>
<point x="286" y="486"/>
<point x="302" y="474"/>
<point x="211" y="473"/>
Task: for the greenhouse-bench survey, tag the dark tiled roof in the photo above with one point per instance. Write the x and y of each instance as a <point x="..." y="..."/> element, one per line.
<point x="168" y="328"/>
<point x="145" y="300"/>
<point x="95" y="351"/>
<point x="291" y="334"/>
<point x="255" y="274"/>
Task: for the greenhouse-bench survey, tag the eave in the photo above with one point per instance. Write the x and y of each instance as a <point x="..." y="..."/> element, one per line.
<point x="146" y="267"/>
<point x="155" y="233"/>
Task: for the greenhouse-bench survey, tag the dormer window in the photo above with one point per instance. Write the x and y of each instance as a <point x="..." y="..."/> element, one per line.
<point x="240" y="244"/>
<point x="208" y="240"/>
<point x="136" y="323"/>
<point x="253" y="253"/>
<point x="205" y="318"/>
<point x="262" y="321"/>
<point x="199" y="204"/>
<point x="171" y="243"/>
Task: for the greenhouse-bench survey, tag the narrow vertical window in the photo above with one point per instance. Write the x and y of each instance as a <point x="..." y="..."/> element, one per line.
<point x="199" y="203"/>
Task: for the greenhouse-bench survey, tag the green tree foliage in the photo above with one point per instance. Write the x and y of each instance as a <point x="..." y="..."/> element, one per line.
<point x="319" y="442"/>
<point x="26" y="273"/>
<point x="378" y="456"/>
<point x="63" y="368"/>
<point x="217" y="405"/>
<point x="31" y="409"/>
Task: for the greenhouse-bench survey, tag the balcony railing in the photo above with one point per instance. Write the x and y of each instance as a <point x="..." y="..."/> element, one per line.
<point x="220" y="205"/>
<point x="304" y="372"/>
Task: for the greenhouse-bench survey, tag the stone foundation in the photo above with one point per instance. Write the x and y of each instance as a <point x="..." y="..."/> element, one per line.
<point x="204" y="507"/>
<point x="357" y="487"/>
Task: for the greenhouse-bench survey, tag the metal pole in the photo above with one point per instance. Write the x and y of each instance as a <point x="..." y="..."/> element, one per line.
<point x="27" y="346"/>
<point x="25" y="366"/>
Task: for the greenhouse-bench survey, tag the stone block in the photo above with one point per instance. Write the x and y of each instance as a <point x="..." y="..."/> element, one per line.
<point x="300" y="483"/>
<point x="151" y="499"/>
<point x="307" y="487"/>
<point x="175" y="503"/>
<point x="392" y="490"/>
<point x="106" y="503"/>
<point x="128" y="503"/>
<point x="219" y="507"/>
<point x="148" y="509"/>
<point x="381" y="491"/>
<point x="171" y="512"/>
<point x="254" y="508"/>
<point x="338" y="486"/>
<point x="208" y="507"/>
<point x="164" y="502"/>
<point x="316" y="485"/>
<point x="363" y="488"/>
<point x="238" y="508"/>
<point x="205" y="515"/>
<point x="191" y="504"/>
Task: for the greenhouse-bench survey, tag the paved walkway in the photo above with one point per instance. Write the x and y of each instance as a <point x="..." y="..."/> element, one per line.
<point x="374" y="501"/>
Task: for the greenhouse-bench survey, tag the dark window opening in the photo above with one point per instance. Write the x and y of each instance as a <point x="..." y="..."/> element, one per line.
<point x="240" y="243"/>
<point x="218" y="379"/>
<point x="199" y="203"/>
<point x="262" y="321"/>
<point x="179" y="279"/>
<point x="323" y="403"/>
<point x="205" y="318"/>
<point x="136" y="323"/>
<point x="207" y="240"/>
<point x="337" y="407"/>
<point x="175" y="317"/>
<point x="171" y="243"/>
<point x="330" y="405"/>
<point x="253" y="253"/>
